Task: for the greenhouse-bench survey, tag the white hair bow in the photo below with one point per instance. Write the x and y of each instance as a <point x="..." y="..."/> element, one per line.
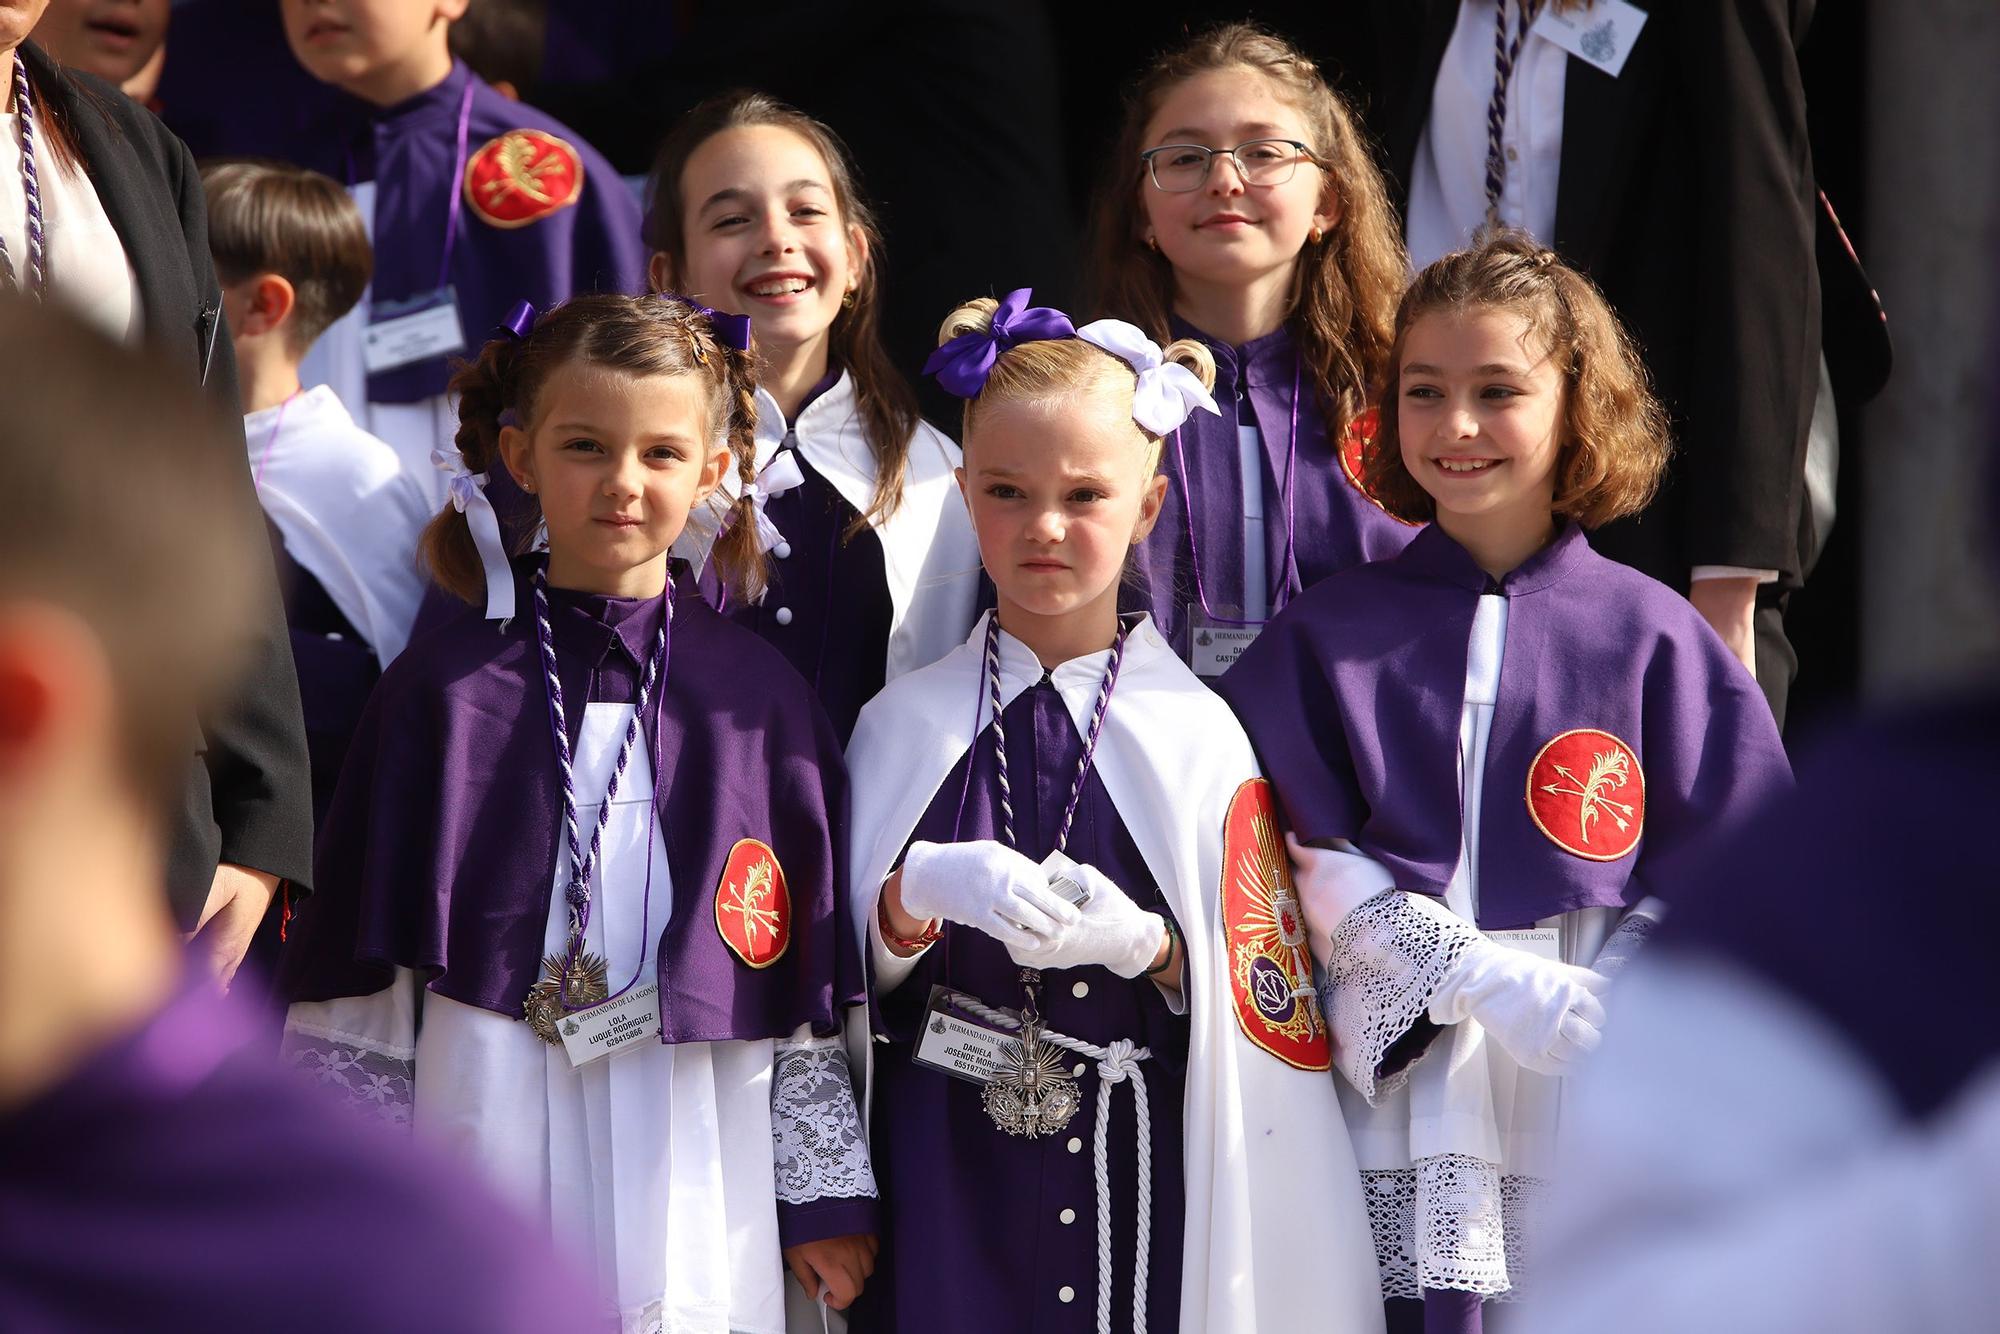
<point x="1168" y="392"/>
<point x="467" y="494"/>
<point x="778" y="476"/>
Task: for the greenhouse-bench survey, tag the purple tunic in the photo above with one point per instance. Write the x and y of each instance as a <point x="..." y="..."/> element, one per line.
<point x="1867" y="894"/>
<point x="409" y="151"/>
<point x="1332" y="524"/>
<point x="180" y="1180"/>
<point x="1353" y="698"/>
<point x="441" y="848"/>
<point x="973" y="1238"/>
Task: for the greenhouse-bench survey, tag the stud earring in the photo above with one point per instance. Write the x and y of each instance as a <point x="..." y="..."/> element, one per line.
<point x="1152" y="243"/>
<point x="1317" y="235"/>
<point x="847" y="299"/>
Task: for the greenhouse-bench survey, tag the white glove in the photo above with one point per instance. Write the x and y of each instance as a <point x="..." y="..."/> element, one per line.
<point x="1109" y="930"/>
<point x="1545" y="1014"/>
<point x="987" y="886"/>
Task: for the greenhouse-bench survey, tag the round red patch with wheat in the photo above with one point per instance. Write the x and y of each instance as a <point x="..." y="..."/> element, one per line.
<point x="1587" y="792"/>
<point x="753" y="905"/>
<point x="522" y="177"/>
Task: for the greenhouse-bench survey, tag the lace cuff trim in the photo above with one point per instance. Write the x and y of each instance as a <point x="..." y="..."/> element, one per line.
<point x="1452" y="1222"/>
<point x="1389" y="955"/>
<point x="375" y="1079"/>
<point x="816" y="1136"/>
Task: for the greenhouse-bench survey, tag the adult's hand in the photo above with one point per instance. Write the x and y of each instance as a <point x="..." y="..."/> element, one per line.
<point x="238" y="898"/>
<point x="1729" y="604"/>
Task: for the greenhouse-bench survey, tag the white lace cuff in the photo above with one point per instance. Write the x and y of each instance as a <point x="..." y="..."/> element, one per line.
<point x="1388" y="956"/>
<point x="373" y="1078"/>
<point x="1452" y="1222"/>
<point x="816" y="1136"/>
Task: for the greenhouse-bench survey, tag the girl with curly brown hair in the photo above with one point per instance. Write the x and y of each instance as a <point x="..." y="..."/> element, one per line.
<point x="1488" y="747"/>
<point x="1242" y="208"/>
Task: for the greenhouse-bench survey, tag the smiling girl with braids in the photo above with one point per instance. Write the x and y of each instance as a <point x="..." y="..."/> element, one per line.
<point x="580" y="904"/>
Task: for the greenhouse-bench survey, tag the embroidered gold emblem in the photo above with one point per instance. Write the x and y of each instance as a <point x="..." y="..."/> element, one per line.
<point x="522" y="177"/>
<point x="753" y="905"/>
<point x="1587" y="792"/>
<point x="1270" y="968"/>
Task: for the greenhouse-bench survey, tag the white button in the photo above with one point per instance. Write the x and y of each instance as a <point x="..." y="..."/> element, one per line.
<point x="782" y="550"/>
<point x="1080" y="990"/>
<point x="783" y="616"/>
<point x="1067" y="1215"/>
<point x="1075" y="1145"/>
<point x="1065" y="1294"/>
<point x="1078" y="1071"/>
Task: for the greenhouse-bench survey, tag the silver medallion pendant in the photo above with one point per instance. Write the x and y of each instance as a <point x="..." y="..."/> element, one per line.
<point x="581" y="982"/>
<point x="1031" y="1095"/>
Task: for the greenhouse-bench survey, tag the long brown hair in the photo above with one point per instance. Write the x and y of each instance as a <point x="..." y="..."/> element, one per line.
<point x="1614" y="432"/>
<point x="646" y="335"/>
<point x="1345" y="285"/>
<point x="887" y="405"/>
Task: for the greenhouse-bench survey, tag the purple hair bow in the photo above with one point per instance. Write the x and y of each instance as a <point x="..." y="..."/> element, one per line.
<point x="730" y="330"/>
<point x="963" y="364"/>
<point x="520" y="320"/>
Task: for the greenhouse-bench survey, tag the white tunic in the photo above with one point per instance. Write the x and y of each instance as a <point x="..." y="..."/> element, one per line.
<point x="350" y="513"/>
<point x="657" y="1163"/>
<point x="87" y="266"/>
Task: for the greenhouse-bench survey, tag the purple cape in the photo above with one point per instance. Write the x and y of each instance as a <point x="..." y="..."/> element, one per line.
<point x="408" y="150"/>
<point x="1353" y="697"/>
<point x="1867" y="894"/>
<point x="178" y="1179"/>
<point x="441" y="849"/>
<point x="1334" y="526"/>
<point x="972" y="1238"/>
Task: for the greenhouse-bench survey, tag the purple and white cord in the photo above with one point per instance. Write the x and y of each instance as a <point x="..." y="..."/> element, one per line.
<point x="38" y="274"/>
<point x="583" y="862"/>
<point x="1091" y="734"/>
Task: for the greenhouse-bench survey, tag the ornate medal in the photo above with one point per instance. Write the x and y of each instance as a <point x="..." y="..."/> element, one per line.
<point x="575" y="985"/>
<point x="1032" y="1095"/>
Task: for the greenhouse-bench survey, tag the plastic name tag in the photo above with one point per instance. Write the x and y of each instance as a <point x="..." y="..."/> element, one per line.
<point x="1213" y="648"/>
<point x="1601" y="35"/>
<point x="588" y="1035"/>
<point x="1542" y="941"/>
<point x="959" y="1042"/>
<point x="415" y="329"/>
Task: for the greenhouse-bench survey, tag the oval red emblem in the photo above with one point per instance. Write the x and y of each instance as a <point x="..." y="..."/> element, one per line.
<point x="1264" y="935"/>
<point x="522" y="177"/>
<point x="1354" y="447"/>
<point x="753" y="905"/>
<point x="1587" y="792"/>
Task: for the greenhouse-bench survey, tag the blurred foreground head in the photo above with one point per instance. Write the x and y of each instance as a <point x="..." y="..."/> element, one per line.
<point x="125" y="560"/>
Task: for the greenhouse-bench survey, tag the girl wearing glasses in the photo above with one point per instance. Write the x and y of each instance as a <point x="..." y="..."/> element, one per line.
<point x="1243" y="210"/>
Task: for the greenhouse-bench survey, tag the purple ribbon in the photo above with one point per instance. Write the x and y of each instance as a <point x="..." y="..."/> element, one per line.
<point x="520" y="320"/>
<point x="730" y="330"/>
<point x="963" y="364"/>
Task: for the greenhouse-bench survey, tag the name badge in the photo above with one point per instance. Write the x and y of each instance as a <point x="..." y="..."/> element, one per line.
<point x="415" y="329"/>
<point x="1601" y="35"/>
<point x="959" y="1042"/>
<point x="590" y="1035"/>
<point x="1213" y="648"/>
<point x="1542" y="941"/>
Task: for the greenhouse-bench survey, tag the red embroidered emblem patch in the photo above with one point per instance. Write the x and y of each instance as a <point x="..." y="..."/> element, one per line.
<point x="1354" y="447"/>
<point x="753" y="905"/>
<point x="1264" y="935"/>
<point x="1587" y="792"/>
<point x="522" y="177"/>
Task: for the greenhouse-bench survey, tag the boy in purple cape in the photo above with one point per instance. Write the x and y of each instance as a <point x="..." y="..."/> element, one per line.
<point x="157" y="1170"/>
<point x="473" y="201"/>
<point x="667" y="917"/>
<point x="1486" y="746"/>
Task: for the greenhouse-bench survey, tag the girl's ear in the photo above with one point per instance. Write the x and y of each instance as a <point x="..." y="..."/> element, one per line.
<point x="1331" y="210"/>
<point x="517" y="451"/>
<point x="660" y="272"/>
<point x="958" y="475"/>
<point x="857" y="258"/>
<point x="713" y="469"/>
<point x="1150" y="502"/>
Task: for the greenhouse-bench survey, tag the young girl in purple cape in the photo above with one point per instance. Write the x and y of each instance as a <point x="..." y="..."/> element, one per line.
<point x="872" y="566"/>
<point x="580" y="907"/>
<point x="1243" y="209"/>
<point x="1065" y="859"/>
<point x="1486" y="745"/>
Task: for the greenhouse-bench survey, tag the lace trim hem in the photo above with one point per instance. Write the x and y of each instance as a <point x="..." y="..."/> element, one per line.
<point x="377" y="1081"/>
<point x="1453" y="1222"/>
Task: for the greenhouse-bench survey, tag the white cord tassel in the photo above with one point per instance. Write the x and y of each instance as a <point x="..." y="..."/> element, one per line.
<point x="1116" y="1064"/>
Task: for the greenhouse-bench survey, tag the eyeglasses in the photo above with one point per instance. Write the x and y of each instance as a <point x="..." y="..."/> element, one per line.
<point x="1179" y="168"/>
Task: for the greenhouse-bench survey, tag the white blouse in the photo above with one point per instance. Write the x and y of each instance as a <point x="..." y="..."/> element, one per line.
<point x="87" y="266"/>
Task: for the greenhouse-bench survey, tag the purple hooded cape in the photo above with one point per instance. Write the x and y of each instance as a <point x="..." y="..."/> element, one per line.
<point x="440" y="852"/>
<point x="409" y="150"/>
<point x="1334" y="525"/>
<point x="178" y="1179"/>
<point x="1820" y="893"/>
<point x="1353" y="697"/>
